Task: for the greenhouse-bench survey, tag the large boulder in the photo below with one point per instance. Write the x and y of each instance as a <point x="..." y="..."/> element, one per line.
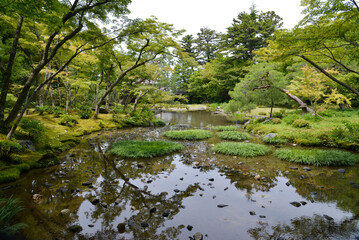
<point x="27" y="144"/>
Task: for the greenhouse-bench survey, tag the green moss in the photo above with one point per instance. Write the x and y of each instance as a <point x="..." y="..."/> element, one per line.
<point x="47" y="160"/>
<point x="10" y="174"/>
<point x="226" y="128"/>
<point x="241" y="149"/>
<point x="301" y="123"/>
<point x="188" y="134"/>
<point x="233" y="135"/>
<point x="318" y="157"/>
<point x="144" y="149"/>
<point x="275" y="140"/>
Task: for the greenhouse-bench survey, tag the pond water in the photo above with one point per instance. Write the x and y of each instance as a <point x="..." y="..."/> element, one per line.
<point x="176" y="196"/>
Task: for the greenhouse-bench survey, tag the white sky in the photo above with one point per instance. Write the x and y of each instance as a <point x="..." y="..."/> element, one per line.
<point x="192" y="15"/>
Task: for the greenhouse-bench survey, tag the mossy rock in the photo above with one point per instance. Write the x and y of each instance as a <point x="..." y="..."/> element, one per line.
<point x="195" y="134"/>
<point x="241" y="149"/>
<point x="318" y="157"/>
<point x="144" y="149"/>
<point x="9" y="175"/>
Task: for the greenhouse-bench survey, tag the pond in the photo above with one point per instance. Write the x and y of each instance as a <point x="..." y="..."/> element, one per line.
<point x="188" y="192"/>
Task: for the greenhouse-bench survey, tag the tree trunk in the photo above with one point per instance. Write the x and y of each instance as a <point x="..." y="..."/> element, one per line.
<point x="141" y="95"/>
<point x="271" y="108"/>
<point x="6" y="81"/>
<point x="302" y="105"/>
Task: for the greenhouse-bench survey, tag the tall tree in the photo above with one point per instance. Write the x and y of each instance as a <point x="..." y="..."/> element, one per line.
<point x="206" y="45"/>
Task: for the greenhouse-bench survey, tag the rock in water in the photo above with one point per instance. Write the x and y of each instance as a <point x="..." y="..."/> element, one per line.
<point x="65" y="211"/>
<point x="198" y="236"/>
<point x="75" y="228"/>
<point x="222" y="205"/>
<point x="257" y="177"/>
<point x="295" y="204"/>
<point x="121" y="227"/>
<point x="144" y="224"/>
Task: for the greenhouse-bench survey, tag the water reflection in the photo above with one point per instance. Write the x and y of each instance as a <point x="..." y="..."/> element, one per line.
<point x="194" y="190"/>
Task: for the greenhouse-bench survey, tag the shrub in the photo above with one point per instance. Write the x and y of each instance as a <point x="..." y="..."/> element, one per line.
<point x="241" y="149"/>
<point x="57" y="112"/>
<point x="279" y="114"/>
<point x="85" y="112"/>
<point x="318" y="157"/>
<point x="290" y="118"/>
<point x="158" y="122"/>
<point x="233" y="135"/>
<point x="301" y="123"/>
<point x="8" y="209"/>
<point x="275" y="140"/>
<point x="7" y="148"/>
<point x="68" y="120"/>
<point x="226" y="128"/>
<point x="262" y="113"/>
<point x="41" y="110"/>
<point x="101" y="124"/>
<point x="276" y="120"/>
<point x="188" y="134"/>
<point x="144" y="149"/>
<point x="34" y="128"/>
<point x="237" y="117"/>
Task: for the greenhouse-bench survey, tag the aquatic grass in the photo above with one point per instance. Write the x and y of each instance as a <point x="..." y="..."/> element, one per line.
<point x="241" y="149"/>
<point x="274" y="140"/>
<point x="144" y="149"/>
<point x="196" y="134"/>
<point x="318" y="157"/>
<point x="233" y="135"/>
<point x="8" y="209"/>
<point x="226" y="128"/>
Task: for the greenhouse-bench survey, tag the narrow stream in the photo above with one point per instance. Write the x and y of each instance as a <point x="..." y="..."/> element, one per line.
<point x="176" y="196"/>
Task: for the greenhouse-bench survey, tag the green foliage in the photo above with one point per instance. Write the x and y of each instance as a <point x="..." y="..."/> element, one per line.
<point x="348" y="132"/>
<point x="8" y="209"/>
<point x="188" y="134"/>
<point x="233" y="135"/>
<point x="275" y="140"/>
<point x="57" y="111"/>
<point x="237" y="117"/>
<point x="241" y="149"/>
<point x="41" y="110"/>
<point x="34" y="128"/>
<point x="85" y="112"/>
<point x="47" y="160"/>
<point x="279" y="114"/>
<point x="158" y="122"/>
<point x="101" y="124"/>
<point x="7" y="148"/>
<point x="68" y="120"/>
<point x="301" y="123"/>
<point x="226" y="128"/>
<point x="318" y="157"/>
<point x="144" y="149"/>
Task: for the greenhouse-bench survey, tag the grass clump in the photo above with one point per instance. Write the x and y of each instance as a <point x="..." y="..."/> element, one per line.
<point x="188" y="134"/>
<point x="8" y="209"/>
<point x="301" y="123"/>
<point x="275" y="140"/>
<point x="233" y="135"/>
<point x="318" y="157"/>
<point x="241" y="149"/>
<point x="144" y="149"/>
<point x="226" y="128"/>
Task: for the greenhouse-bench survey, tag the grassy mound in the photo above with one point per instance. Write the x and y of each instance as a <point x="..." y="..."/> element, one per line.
<point x="275" y="140"/>
<point x="226" y="128"/>
<point x="233" y="135"/>
<point x="318" y="157"/>
<point x="188" y="134"/>
<point x="241" y="149"/>
<point x="144" y="149"/>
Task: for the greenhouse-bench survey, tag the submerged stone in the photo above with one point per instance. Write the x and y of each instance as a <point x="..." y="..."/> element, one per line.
<point x="75" y="228"/>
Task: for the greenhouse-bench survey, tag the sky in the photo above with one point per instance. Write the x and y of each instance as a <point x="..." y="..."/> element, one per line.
<point x="192" y="15"/>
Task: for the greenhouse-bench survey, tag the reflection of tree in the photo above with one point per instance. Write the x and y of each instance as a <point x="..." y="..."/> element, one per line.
<point x="146" y="206"/>
<point x="316" y="227"/>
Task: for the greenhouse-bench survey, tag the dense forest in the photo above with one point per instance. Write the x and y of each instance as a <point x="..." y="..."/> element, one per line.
<point x="62" y="62"/>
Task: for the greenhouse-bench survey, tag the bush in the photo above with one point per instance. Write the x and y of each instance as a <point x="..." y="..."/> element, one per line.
<point x="275" y="140"/>
<point x="34" y="128"/>
<point x="279" y="114"/>
<point x="262" y="113"/>
<point x="226" y="128"/>
<point x="85" y="112"/>
<point x="68" y="120"/>
<point x="290" y="118"/>
<point x="41" y="110"/>
<point x="7" y="148"/>
<point x="101" y="124"/>
<point x="241" y="149"/>
<point x="237" y="117"/>
<point x="233" y="135"/>
<point x="318" y="157"/>
<point x="276" y="121"/>
<point x="158" y="122"/>
<point x="56" y="111"/>
<point x="301" y="123"/>
<point x="144" y="149"/>
<point x="9" y="175"/>
<point x="188" y="134"/>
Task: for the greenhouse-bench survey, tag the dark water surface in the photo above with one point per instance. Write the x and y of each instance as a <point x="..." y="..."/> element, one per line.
<point x="194" y="190"/>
